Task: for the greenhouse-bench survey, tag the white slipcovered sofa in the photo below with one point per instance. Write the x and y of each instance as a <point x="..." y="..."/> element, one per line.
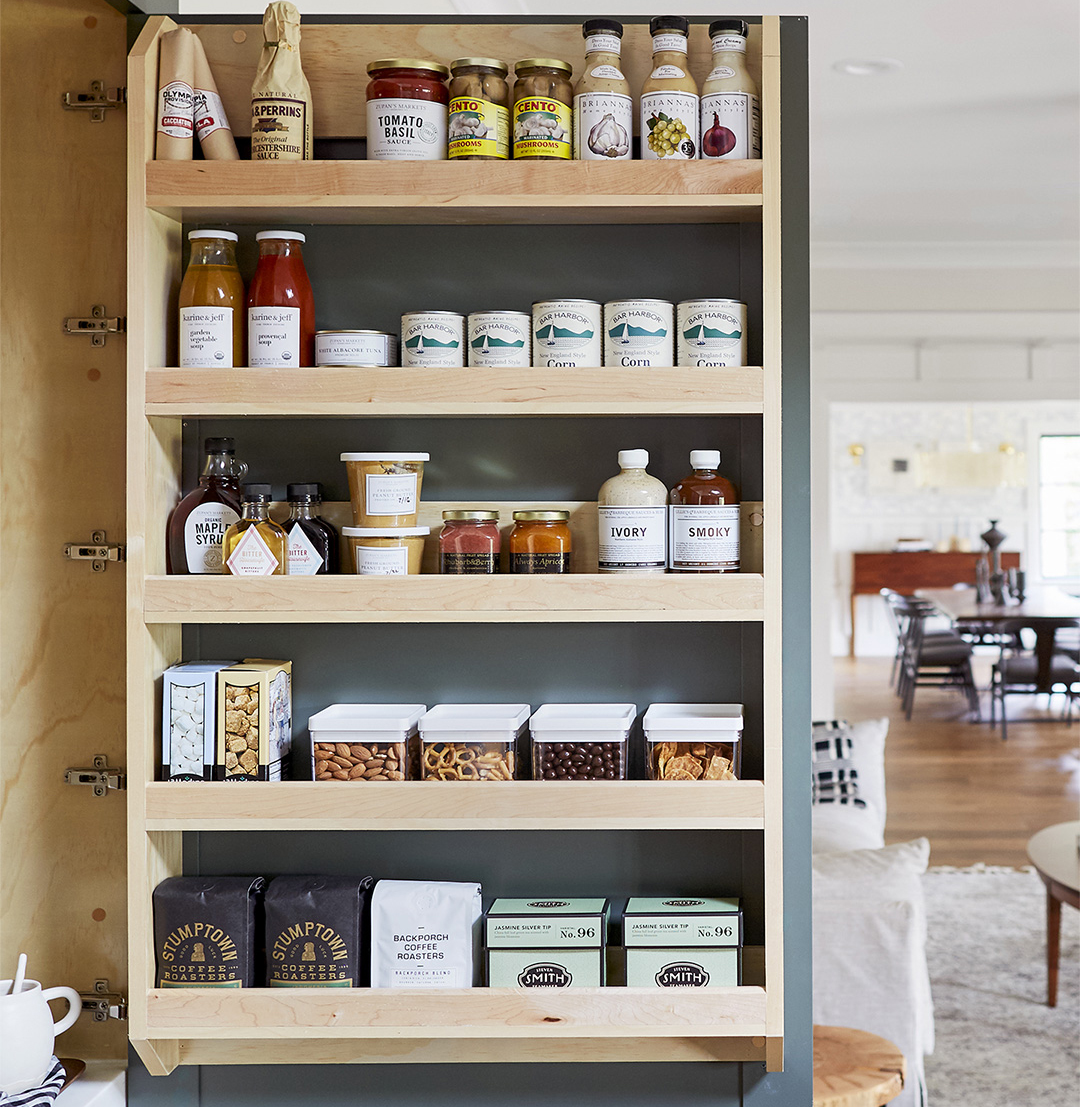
<point x="869" y="913"/>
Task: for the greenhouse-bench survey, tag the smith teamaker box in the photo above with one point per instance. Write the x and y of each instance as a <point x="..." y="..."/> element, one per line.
<point x="546" y="943"/>
<point x="683" y="942"/>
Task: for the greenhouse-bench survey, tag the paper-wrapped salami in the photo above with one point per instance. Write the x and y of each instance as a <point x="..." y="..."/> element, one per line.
<point x="280" y="95"/>
<point x="211" y="124"/>
<point x="176" y="97"/>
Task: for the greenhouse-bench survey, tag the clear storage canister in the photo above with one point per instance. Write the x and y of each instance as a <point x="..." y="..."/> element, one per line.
<point x="693" y="741"/>
<point x="581" y="741"/>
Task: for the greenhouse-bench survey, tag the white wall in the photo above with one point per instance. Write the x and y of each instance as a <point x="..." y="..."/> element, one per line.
<point x="919" y="331"/>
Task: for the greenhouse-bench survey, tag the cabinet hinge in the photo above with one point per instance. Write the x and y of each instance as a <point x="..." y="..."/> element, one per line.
<point x="101" y="1004"/>
<point x="97" y="551"/>
<point x="100" y="777"/>
<point x="97" y="101"/>
<point x="98" y="326"/>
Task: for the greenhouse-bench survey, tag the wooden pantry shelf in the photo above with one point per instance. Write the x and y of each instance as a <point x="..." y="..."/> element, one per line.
<point x="575" y="597"/>
<point x="344" y="392"/>
<point x="438" y="805"/>
<point x="444" y="192"/>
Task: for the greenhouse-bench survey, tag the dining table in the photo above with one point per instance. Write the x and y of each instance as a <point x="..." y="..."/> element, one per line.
<point x="1044" y="609"/>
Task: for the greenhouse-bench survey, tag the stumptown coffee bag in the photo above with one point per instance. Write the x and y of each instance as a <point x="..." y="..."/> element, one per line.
<point x="315" y="931"/>
<point x="425" y="934"/>
<point x="204" y="931"/>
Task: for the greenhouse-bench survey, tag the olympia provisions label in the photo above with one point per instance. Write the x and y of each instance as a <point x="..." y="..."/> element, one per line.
<point x="273" y="337"/>
<point x="705" y="538"/>
<point x="406" y="130"/>
<point x="176" y="110"/>
<point x="632" y="538"/>
<point x="206" y="338"/>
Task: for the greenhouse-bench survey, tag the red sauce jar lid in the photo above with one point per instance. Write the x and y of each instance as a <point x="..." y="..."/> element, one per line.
<point x="437" y="68"/>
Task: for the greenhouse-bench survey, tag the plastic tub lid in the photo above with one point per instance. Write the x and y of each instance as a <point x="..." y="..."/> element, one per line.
<point x="700" y="717"/>
<point x="458" y="717"/>
<point x="385" y="455"/>
<point x="578" y="717"/>
<point x="368" y="716"/>
<point x="384" y="532"/>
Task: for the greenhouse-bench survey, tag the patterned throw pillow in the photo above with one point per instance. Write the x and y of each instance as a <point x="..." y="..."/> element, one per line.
<point x="835" y="775"/>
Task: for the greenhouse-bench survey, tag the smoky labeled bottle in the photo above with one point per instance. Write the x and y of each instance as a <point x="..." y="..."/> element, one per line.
<point x="703" y="521"/>
<point x="730" y="109"/>
<point x="670" y="106"/>
<point x="603" y="108"/>
<point x="255" y="546"/>
<point x="312" y="547"/>
<point x="198" y="523"/>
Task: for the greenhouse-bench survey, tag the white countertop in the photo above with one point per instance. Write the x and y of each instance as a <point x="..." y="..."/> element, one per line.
<point x="103" y="1084"/>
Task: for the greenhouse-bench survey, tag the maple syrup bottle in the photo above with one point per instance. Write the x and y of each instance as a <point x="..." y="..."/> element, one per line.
<point x="703" y="524"/>
<point x="255" y="546"/>
<point x="199" y="521"/>
<point x="313" y="542"/>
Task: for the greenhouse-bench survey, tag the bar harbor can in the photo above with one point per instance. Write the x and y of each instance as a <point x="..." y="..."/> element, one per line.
<point x="638" y="333"/>
<point x="566" y="334"/>
<point x="355" y="349"/>
<point x="499" y="340"/>
<point x="432" y="340"/>
<point x="711" y="333"/>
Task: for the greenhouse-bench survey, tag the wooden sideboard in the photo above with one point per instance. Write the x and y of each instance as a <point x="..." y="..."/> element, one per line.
<point x="905" y="571"/>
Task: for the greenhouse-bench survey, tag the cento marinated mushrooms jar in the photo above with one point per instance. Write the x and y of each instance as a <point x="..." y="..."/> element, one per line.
<point x="479" y="128"/>
<point x="540" y="542"/>
<point x="384" y="487"/>
<point x="543" y="103"/>
<point x="406" y="110"/>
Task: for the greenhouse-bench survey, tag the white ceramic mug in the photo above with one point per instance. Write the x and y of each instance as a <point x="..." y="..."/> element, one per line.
<point x="27" y="1031"/>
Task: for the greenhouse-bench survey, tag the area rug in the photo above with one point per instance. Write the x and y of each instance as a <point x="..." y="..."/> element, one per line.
<point x="998" y="1044"/>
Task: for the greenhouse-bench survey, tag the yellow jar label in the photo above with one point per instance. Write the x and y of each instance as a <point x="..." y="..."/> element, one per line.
<point x="542" y="128"/>
<point x="478" y="128"/>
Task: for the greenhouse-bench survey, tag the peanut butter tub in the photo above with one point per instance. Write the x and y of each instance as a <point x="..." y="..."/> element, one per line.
<point x="384" y="487"/>
<point x="386" y="551"/>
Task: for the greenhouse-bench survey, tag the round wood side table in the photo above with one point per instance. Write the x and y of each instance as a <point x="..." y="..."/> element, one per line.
<point x="855" y="1069"/>
<point x="1054" y="854"/>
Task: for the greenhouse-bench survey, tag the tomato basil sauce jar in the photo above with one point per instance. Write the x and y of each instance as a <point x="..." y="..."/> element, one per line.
<point x="407" y="103"/>
<point x="469" y="543"/>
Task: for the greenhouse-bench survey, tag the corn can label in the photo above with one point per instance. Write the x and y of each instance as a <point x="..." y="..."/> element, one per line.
<point x="478" y="128"/>
<point x="638" y="333"/>
<point x="711" y="333"/>
<point x="566" y="334"/>
<point x="432" y="339"/>
<point x="499" y="339"/>
<point x="542" y="128"/>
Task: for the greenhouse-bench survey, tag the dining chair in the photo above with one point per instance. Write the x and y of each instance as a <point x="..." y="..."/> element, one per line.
<point x="1019" y="671"/>
<point x="941" y="661"/>
<point x="899" y="607"/>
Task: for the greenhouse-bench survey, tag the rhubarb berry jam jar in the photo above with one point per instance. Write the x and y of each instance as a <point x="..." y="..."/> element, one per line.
<point x="407" y="104"/>
<point x="469" y="542"/>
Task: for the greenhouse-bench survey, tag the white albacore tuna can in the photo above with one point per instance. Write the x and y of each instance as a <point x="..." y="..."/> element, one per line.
<point x="711" y="333"/>
<point x="432" y="340"/>
<point x="355" y="349"/>
<point x="499" y="340"/>
<point x="638" y="333"/>
<point x="566" y="334"/>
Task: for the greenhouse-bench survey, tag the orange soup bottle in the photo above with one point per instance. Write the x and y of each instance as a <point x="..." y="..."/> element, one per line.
<point x="211" y="304"/>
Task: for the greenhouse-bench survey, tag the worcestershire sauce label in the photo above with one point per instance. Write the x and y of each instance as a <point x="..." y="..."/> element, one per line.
<point x="279" y="128"/>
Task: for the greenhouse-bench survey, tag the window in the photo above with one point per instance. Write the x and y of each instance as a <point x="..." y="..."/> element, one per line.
<point x="1059" y="506"/>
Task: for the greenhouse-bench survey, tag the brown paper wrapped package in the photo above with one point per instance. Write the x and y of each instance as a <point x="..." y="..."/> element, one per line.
<point x="211" y="124"/>
<point x="176" y="97"/>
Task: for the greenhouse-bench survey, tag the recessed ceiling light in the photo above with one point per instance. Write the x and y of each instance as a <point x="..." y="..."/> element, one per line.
<point x="867" y="67"/>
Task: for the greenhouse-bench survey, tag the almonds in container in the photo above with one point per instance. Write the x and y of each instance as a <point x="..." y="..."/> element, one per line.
<point x="363" y="741"/>
<point x="693" y="741"/>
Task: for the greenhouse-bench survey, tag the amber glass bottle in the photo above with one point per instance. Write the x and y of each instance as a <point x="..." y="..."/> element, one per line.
<point x="313" y="542"/>
<point x="199" y="521"/>
<point x="255" y="546"/>
<point x="704" y="519"/>
<point x="211" y="304"/>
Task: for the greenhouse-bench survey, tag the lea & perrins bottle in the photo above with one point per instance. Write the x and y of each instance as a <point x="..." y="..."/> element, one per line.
<point x="703" y="520"/>
<point x="199" y="521"/>
<point x="255" y="546"/>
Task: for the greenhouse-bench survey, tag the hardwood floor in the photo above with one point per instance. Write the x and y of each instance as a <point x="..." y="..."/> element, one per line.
<point x="957" y="783"/>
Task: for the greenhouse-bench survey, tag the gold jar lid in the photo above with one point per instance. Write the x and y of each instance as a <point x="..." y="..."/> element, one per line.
<point x="541" y="516"/>
<point x="544" y="63"/>
<point x="409" y="63"/>
<point x="484" y="63"/>
<point x="458" y="516"/>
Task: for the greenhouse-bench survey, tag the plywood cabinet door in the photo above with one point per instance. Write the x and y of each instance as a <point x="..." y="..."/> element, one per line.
<point x="62" y="403"/>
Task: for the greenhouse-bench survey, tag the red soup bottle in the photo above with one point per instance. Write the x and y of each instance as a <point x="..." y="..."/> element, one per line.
<point x="280" y="305"/>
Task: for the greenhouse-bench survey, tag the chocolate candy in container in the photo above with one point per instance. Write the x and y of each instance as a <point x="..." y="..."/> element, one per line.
<point x="472" y="741"/>
<point x="204" y="931"/>
<point x="693" y="741"/>
<point x="581" y="741"/>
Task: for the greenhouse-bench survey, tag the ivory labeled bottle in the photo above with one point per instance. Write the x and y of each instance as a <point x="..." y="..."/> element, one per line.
<point x="704" y="519"/>
<point x="632" y="518"/>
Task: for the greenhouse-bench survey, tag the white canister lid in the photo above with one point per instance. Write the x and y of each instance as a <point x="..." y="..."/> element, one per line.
<point x="292" y="236"/>
<point x="229" y="236"/>
<point x="384" y="532"/>
<point x="379" y="455"/>
<point x="633" y="459"/>
<point x="705" y="459"/>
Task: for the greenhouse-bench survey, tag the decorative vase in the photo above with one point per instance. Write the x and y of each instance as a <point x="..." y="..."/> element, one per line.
<point x="993" y="539"/>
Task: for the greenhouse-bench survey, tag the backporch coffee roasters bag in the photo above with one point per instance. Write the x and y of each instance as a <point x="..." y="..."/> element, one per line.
<point x="315" y="931"/>
<point x="204" y="931"/>
<point x="425" y="934"/>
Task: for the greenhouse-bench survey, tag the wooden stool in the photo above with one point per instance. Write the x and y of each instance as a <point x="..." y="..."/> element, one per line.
<point x="855" y="1069"/>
